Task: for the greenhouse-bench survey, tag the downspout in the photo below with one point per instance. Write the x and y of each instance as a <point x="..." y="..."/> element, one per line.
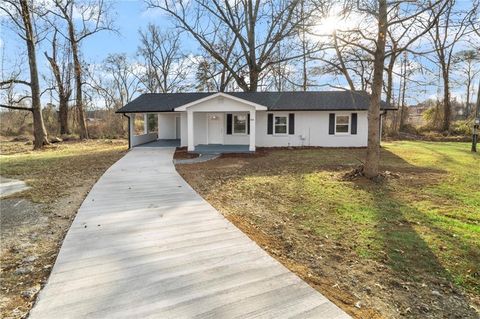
<point x="128" y="129"/>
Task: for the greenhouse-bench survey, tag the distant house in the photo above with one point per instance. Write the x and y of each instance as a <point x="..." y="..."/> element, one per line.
<point x="254" y="119"/>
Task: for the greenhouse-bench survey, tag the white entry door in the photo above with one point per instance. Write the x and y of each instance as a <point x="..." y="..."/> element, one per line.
<point x="215" y="128"/>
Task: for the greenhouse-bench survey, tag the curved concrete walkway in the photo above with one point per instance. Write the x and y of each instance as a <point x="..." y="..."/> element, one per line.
<point x="144" y="244"/>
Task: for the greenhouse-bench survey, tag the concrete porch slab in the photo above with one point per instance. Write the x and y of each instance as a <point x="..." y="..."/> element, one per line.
<point x="220" y="148"/>
<point x="161" y="143"/>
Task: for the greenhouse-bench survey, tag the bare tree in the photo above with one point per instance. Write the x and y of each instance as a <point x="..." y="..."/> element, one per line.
<point x="403" y="35"/>
<point x="281" y="76"/>
<point x="340" y="54"/>
<point x="205" y="76"/>
<point x="61" y="66"/>
<point x="166" y="67"/>
<point x="257" y="25"/>
<point x="219" y="77"/>
<point x="309" y="12"/>
<point x="124" y="77"/>
<point x="386" y="15"/>
<point x="21" y="14"/>
<point x="466" y="62"/>
<point x="116" y="81"/>
<point x="94" y="17"/>
<point x="449" y="30"/>
<point x="373" y="148"/>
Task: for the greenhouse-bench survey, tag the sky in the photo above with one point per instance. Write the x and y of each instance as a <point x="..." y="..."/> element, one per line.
<point x="130" y="16"/>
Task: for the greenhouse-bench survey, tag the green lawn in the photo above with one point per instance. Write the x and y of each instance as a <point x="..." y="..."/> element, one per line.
<point x="422" y="222"/>
<point x="426" y="220"/>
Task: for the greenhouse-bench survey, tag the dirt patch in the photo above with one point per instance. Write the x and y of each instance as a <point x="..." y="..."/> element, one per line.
<point x="182" y="153"/>
<point x="359" y="173"/>
<point x="33" y="223"/>
<point x="18" y="212"/>
<point x="260" y="152"/>
<point x="31" y="238"/>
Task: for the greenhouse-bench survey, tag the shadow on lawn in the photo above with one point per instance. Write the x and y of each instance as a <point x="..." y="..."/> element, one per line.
<point x="305" y="161"/>
<point x="404" y="251"/>
<point x="411" y="259"/>
<point x="396" y="225"/>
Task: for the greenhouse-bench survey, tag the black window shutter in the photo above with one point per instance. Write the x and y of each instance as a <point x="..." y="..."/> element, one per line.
<point x="291" y="123"/>
<point x="248" y="123"/>
<point x="353" y="129"/>
<point x="270" y="124"/>
<point x="331" y="124"/>
<point x="229" y="124"/>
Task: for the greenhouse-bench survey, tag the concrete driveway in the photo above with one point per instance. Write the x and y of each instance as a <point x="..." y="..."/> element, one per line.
<point x="144" y="244"/>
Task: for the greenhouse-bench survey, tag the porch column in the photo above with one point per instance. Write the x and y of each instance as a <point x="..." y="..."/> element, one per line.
<point x="251" y="147"/>
<point x="145" y="123"/>
<point x="190" y="143"/>
<point x="131" y="129"/>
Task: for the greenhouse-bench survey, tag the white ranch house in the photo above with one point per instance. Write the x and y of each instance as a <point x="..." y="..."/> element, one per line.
<point x="242" y="121"/>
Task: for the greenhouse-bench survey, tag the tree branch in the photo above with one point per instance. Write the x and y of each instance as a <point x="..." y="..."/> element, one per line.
<point x="22" y="108"/>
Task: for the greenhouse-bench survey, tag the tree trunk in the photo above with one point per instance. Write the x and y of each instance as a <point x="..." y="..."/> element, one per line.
<point x="475" y="125"/>
<point x="304" y="49"/>
<point x="373" y="148"/>
<point x="82" y="124"/>
<point x="342" y="63"/>
<point x="63" y="114"/>
<point x="39" y="131"/>
<point x="254" y="75"/>
<point x="469" y="84"/>
<point x="389" y="90"/>
<point x="63" y="94"/>
<point x="404" y="88"/>
<point x="447" y="105"/>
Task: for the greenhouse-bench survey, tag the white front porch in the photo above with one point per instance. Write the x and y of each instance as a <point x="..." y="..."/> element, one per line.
<point x="208" y="130"/>
<point x="220" y="128"/>
<point x="219" y="119"/>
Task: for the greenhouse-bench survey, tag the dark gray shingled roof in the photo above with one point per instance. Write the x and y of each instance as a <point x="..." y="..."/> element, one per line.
<point x="274" y="101"/>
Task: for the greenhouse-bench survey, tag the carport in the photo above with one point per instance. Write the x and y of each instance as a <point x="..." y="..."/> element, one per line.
<point x="166" y="128"/>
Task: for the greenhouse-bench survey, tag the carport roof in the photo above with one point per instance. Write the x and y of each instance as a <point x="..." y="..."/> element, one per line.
<point x="274" y="101"/>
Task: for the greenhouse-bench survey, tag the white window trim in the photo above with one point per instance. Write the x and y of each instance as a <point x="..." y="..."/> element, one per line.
<point x="286" y="124"/>
<point x="246" y="124"/>
<point x="349" y="124"/>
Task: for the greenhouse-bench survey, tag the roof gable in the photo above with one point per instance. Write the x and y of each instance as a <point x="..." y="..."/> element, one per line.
<point x="257" y="106"/>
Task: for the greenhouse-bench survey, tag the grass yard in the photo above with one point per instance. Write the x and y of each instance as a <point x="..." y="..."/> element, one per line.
<point x="53" y="172"/>
<point x="34" y="222"/>
<point x="407" y="246"/>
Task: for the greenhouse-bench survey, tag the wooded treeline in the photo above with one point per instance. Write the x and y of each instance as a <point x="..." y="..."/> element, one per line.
<point x="395" y="50"/>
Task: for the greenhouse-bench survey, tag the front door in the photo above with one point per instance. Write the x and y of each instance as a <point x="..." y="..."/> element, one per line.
<point x="215" y="128"/>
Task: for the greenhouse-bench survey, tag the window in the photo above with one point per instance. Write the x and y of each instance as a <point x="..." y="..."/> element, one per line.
<point x="239" y="124"/>
<point x="342" y="123"/>
<point x="280" y="126"/>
